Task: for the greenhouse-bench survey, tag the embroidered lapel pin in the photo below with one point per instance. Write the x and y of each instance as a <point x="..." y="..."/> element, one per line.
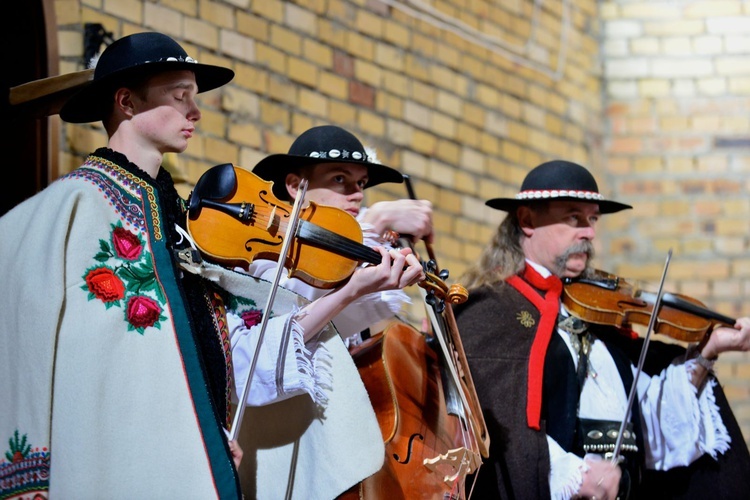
<point x="526" y="319"/>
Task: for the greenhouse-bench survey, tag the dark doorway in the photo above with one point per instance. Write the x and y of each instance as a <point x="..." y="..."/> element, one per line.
<point x="28" y="47"/>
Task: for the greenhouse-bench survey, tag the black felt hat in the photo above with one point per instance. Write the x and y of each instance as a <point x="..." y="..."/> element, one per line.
<point x="558" y="180"/>
<point x="322" y="144"/>
<point x="131" y="56"/>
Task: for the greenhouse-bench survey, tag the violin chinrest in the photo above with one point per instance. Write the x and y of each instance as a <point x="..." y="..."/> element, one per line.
<point x="216" y="183"/>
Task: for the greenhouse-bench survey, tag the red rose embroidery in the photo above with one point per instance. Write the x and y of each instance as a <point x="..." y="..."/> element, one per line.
<point x="251" y="318"/>
<point x="105" y="285"/>
<point x="127" y="245"/>
<point x="142" y="311"/>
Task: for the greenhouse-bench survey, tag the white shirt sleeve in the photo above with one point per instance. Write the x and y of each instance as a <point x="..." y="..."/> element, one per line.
<point x="566" y="472"/>
<point x="285" y="366"/>
<point x="681" y="425"/>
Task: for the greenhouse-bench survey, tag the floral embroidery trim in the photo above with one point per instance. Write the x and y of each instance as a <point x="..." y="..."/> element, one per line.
<point x="24" y="469"/>
<point x="125" y="277"/>
<point x="220" y="315"/>
<point x="131" y="179"/>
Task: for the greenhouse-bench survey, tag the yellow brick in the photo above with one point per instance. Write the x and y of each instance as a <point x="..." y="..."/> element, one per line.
<point x="343" y="114"/>
<point x="448" y="152"/>
<point x="187" y="7"/>
<point x="396" y="33"/>
<point x="423" y="45"/>
<point x="332" y="35"/>
<point x="416" y="69"/>
<point x="359" y="46"/>
<point x="333" y="85"/>
<point x="467" y="135"/>
<point x="251" y="77"/>
<point x="389" y="105"/>
<point x="216" y="13"/>
<point x="274" y="115"/>
<point x="253" y="26"/>
<point x="201" y="33"/>
<point x="370" y="123"/>
<point x="423" y="142"/>
<point x="239" y="46"/>
<point x="131" y="10"/>
<point x="67" y="12"/>
<point x="246" y="134"/>
<point x="286" y="40"/>
<point x="273" y="59"/>
<point x="313" y="103"/>
<point x="396" y="83"/>
<point x="269" y="9"/>
<point x="465" y="183"/>
<point x="389" y="57"/>
<point x="239" y="101"/>
<point x="367" y="72"/>
<point x="317" y="53"/>
<point x="489" y="97"/>
<point x="220" y="151"/>
<point x="303" y="72"/>
<point x="212" y="122"/>
<point x="369" y="23"/>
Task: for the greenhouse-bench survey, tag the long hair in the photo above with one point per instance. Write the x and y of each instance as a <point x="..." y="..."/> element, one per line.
<point x="501" y="258"/>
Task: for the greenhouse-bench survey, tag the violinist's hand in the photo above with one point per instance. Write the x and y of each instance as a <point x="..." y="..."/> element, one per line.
<point x="725" y="339"/>
<point x="236" y="451"/>
<point x="601" y="480"/>
<point x="412" y="217"/>
<point x="398" y="269"/>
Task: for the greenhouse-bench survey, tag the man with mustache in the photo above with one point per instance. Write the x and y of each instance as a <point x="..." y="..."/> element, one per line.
<point x="554" y="389"/>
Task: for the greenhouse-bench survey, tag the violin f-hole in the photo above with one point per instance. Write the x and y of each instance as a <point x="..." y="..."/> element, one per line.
<point x="408" y="454"/>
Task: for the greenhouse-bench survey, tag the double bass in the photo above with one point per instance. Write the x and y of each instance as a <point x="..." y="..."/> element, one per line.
<point x="424" y="398"/>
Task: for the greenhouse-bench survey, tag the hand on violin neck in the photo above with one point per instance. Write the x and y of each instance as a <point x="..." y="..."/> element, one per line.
<point x="398" y="269"/>
<point x="724" y="339"/>
<point x="412" y="217"/>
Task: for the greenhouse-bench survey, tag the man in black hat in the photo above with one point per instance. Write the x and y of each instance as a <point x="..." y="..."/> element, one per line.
<point x="554" y="389"/>
<point x="117" y="358"/>
<point x="338" y="169"/>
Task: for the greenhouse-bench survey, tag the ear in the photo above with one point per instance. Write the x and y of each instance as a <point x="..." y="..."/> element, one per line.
<point x="292" y="181"/>
<point x="124" y="101"/>
<point x="525" y="220"/>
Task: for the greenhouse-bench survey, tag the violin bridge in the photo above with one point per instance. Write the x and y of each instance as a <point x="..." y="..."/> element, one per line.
<point x="461" y="461"/>
<point x="271" y="219"/>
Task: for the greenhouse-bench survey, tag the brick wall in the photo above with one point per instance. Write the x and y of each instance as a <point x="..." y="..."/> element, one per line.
<point x="677" y="146"/>
<point x="466" y="97"/>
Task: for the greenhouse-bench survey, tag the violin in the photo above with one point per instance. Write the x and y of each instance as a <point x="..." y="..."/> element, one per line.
<point x="234" y="218"/>
<point x="608" y="299"/>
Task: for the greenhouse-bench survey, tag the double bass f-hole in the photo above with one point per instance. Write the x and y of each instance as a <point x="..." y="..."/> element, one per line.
<point x="409" y="450"/>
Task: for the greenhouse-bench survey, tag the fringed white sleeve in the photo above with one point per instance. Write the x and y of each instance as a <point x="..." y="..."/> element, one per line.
<point x="681" y="423"/>
<point x="285" y="367"/>
<point x="566" y="472"/>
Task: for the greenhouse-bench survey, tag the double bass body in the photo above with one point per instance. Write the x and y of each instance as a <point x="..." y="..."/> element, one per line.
<point x="425" y="453"/>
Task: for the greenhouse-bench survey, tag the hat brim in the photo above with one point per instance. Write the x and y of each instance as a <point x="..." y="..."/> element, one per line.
<point x="90" y="104"/>
<point x="275" y="168"/>
<point x="510" y="204"/>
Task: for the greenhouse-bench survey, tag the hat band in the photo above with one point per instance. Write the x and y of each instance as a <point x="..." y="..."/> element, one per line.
<point x="558" y="193"/>
<point x="339" y="154"/>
